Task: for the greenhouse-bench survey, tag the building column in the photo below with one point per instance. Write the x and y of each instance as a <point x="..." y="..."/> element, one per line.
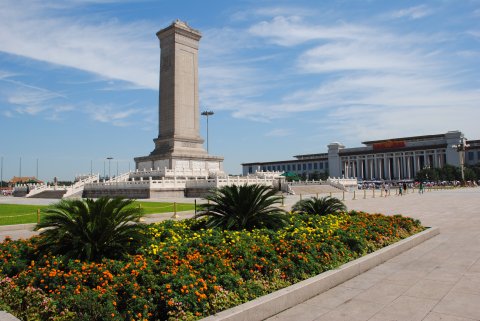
<point x="379" y="168"/>
<point x="399" y="167"/>
<point x="396" y="169"/>
<point x="362" y="166"/>
<point x="393" y="169"/>
<point x="408" y="167"/>
<point x="417" y="163"/>
<point x="389" y="167"/>
<point x="386" y="167"/>
<point x="371" y="164"/>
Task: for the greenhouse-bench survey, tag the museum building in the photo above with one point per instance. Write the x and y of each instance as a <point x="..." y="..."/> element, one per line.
<point x="388" y="159"/>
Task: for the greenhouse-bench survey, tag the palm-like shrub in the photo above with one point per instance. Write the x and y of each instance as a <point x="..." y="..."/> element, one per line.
<point x="320" y="205"/>
<point x="243" y="207"/>
<point x="90" y="229"/>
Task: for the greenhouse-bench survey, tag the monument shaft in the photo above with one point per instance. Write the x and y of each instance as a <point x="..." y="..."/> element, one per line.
<point x="178" y="102"/>
<point x="179" y="145"/>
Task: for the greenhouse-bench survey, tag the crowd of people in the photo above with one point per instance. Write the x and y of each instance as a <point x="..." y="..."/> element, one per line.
<point x="403" y="186"/>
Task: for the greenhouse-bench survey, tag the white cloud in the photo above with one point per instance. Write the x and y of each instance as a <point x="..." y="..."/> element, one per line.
<point x="6" y="74"/>
<point x="292" y="30"/>
<point x="279" y="132"/>
<point x="415" y="12"/>
<point x="30" y="97"/>
<point x="271" y="12"/>
<point x="105" y="47"/>
<point x="370" y="81"/>
<point x="7" y="113"/>
<point x="475" y="33"/>
<point x="115" y="115"/>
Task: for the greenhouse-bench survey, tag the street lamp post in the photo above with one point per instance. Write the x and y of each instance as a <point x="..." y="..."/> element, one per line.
<point x="207" y="113"/>
<point x="461" y="147"/>
<point x="109" y="160"/>
<point x="1" y="174"/>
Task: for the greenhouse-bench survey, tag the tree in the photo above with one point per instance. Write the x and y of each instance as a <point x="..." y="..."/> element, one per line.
<point x="475" y="171"/>
<point x="427" y="174"/>
<point x="90" y="229"/>
<point x="243" y="207"/>
<point x="319" y="206"/>
<point x="324" y="176"/>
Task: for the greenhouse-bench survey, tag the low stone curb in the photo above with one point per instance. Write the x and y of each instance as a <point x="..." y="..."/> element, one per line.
<point x="276" y="302"/>
<point x="4" y="316"/>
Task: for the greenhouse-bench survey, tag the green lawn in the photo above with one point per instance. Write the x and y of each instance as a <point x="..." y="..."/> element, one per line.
<point x="157" y="207"/>
<point x="21" y="214"/>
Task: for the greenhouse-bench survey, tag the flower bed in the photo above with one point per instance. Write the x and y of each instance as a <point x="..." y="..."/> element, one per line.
<point x="186" y="272"/>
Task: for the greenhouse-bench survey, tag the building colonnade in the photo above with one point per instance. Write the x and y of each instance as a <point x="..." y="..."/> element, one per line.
<point x="391" y="166"/>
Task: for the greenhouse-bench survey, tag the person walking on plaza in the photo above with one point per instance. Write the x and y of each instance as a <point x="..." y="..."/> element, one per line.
<point x="421" y="188"/>
<point x="400" y="187"/>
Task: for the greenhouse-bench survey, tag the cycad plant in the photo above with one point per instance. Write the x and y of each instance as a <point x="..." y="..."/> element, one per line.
<point x="243" y="207"/>
<point x="90" y="229"/>
<point x="319" y="206"/>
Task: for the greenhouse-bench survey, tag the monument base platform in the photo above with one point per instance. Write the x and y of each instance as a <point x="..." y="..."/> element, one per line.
<point x="181" y="165"/>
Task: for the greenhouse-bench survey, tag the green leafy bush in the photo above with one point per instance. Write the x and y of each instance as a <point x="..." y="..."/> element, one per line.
<point x="91" y="229"/>
<point x="320" y="206"/>
<point x="243" y="207"/>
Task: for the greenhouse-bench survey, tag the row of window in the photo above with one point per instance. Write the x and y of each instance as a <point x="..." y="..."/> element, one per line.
<point x="471" y="156"/>
<point x="296" y="167"/>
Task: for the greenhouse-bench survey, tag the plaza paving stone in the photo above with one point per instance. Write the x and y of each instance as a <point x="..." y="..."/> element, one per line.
<point x="437" y="280"/>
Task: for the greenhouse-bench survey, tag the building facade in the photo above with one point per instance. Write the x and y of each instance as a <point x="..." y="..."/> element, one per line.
<point x="388" y="159"/>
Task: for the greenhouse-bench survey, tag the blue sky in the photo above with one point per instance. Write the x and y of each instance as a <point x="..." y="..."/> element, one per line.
<point x="79" y="78"/>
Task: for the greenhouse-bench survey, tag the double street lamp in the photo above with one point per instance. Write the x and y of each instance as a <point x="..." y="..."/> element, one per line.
<point x="461" y="148"/>
<point x="207" y="113"/>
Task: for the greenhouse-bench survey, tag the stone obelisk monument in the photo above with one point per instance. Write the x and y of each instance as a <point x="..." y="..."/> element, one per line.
<point x="179" y="146"/>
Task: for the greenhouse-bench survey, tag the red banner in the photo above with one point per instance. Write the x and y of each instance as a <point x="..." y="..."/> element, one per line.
<point x="389" y="144"/>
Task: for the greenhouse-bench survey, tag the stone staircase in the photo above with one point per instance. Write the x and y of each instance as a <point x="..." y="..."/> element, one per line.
<point x="50" y="194"/>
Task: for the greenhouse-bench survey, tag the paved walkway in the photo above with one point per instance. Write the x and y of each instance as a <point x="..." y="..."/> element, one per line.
<point x="437" y="280"/>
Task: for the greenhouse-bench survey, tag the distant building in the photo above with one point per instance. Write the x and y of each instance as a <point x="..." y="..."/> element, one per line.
<point x="388" y="159"/>
<point x="24" y="180"/>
